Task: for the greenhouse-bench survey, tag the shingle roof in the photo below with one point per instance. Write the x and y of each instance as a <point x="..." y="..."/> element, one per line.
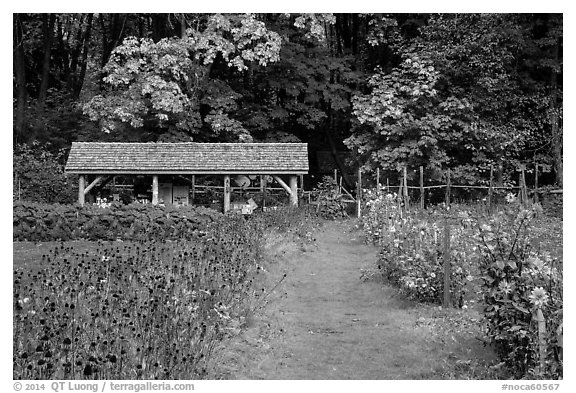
<point x="187" y="158"/>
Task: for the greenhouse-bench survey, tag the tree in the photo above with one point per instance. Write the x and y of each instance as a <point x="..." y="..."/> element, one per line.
<point x="164" y="84"/>
<point x="487" y="102"/>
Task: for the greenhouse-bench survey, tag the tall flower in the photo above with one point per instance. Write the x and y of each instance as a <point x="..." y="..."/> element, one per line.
<point x="538" y="297"/>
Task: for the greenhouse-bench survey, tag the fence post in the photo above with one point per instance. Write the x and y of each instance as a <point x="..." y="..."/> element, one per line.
<point x="359" y="192"/>
<point x="490" y="189"/>
<point x="524" y="186"/>
<point x="406" y="198"/>
<point x="421" y="187"/>
<point x="377" y="178"/>
<point x="446" y="255"/>
<point x="536" y="182"/>
<point x="448" y="188"/>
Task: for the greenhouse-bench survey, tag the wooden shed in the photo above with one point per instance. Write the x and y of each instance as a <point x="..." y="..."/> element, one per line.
<point x="103" y="160"/>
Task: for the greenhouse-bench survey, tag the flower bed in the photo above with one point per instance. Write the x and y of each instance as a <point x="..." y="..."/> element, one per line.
<point x="134" y="310"/>
<point x="511" y="258"/>
<point x="412" y="250"/>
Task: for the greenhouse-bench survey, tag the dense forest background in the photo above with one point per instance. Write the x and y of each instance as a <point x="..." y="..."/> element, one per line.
<point x="458" y="91"/>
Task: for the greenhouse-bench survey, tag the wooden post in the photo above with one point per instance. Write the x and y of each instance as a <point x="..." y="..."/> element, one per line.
<point x="542" y="345"/>
<point x="421" y="187"/>
<point x="293" y="190"/>
<point x="302" y="185"/>
<point x="524" y="186"/>
<point x="226" y="193"/>
<point x="377" y="178"/>
<point x="387" y="185"/>
<point x="448" y="188"/>
<point x="263" y="188"/>
<point x="446" y="257"/>
<point x="490" y="189"/>
<point x="154" y="189"/>
<point x="193" y="189"/>
<point x="405" y="192"/>
<point x="536" y="199"/>
<point x="81" y="184"/>
<point x="359" y="193"/>
<point x="336" y="175"/>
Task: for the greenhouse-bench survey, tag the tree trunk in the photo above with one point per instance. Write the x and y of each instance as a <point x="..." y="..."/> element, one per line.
<point x="328" y="131"/>
<point x="20" y="77"/>
<point x="84" y="59"/>
<point x="74" y="56"/>
<point x="49" y="21"/>
<point x="557" y="138"/>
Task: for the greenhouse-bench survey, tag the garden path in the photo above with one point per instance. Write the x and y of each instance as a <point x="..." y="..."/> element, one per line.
<point x="324" y="322"/>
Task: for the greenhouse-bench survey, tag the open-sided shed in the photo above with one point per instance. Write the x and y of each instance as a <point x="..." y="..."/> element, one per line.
<point x="105" y="159"/>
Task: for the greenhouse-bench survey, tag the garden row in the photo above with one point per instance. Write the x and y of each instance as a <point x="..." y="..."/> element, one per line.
<point x="45" y="222"/>
<point x="149" y="307"/>
<point x="511" y="259"/>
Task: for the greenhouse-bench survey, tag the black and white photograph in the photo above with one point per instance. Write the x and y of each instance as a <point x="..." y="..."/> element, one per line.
<point x="232" y="196"/>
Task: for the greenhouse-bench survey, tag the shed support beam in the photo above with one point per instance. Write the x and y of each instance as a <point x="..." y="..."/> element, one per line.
<point x="81" y="184"/>
<point x="226" y="193"/>
<point x="284" y="185"/>
<point x="193" y="185"/>
<point x="293" y="190"/>
<point x="155" y="189"/>
<point x="91" y="185"/>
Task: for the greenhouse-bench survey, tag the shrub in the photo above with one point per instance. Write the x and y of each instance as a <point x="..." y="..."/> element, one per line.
<point x="329" y="200"/>
<point x="39" y="176"/>
<point x="45" y="222"/>
<point x="519" y="283"/>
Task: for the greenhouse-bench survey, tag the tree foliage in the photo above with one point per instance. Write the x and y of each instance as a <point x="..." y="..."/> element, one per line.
<point x="459" y="91"/>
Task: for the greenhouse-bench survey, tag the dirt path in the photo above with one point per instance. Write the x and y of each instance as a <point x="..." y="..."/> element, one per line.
<point x="324" y="322"/>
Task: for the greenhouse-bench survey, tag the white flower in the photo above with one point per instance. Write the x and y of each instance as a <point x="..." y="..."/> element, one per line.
<point x="469" y="278"/>
<point x="510" y="198"/>
<point x="538" y="297"/>
<point x="433" y="275"/>
<point x="505" y="287"/>
<point x="536" y="263"/>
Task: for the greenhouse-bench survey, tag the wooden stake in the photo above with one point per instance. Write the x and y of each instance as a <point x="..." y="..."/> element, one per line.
<point x="446" y="257"/>
<point x="524" y="186"/>
<point x="155" y="189"/>
<point x="336" y="175"/>
<point x="359" y="193"/>
<point x="448" y="188"/>
<point x="226" y="193"/>
<point x="490" y="189"/>
<point x="378" y="178"/>
<point x="536" y="182"/>
<point x="422" y="187"/>
<point x="406" y="198"/>
<point x="387" y="185"/>
<point x="81" y="184"/>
